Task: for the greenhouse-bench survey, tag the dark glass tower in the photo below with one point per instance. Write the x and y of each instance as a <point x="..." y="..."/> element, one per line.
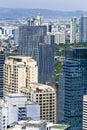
<point x="46" y="60"/>
<point x="2" y="60"/>
<point x="75" y="85"/>
<point x="34" y="42"/>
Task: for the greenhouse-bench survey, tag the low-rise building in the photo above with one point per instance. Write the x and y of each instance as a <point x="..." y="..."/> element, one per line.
<point x="16" y="107"/>
<point x="29" y="125"/>
<point x="3" y="115"/>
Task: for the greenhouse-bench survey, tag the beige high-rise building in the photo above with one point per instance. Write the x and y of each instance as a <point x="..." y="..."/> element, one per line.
<point x="45" y="96"/>
<point x="19" y="72"/>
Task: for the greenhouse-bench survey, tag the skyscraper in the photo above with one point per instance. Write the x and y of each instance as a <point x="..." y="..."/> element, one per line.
<point x="75" y="85"/>
<point x="2" y="60"/>
<point x="19" y="72"/>
<point x="61" y="99"/>
<point x="34" y="42"/>
<point x="73" y="30"/>
<point x="83" y="29"/>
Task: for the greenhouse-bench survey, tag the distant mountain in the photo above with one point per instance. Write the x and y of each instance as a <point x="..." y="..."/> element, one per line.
<point x="9" y="13"/>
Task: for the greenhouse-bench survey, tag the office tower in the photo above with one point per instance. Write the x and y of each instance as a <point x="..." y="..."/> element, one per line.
<point x="19" y="72"/>
<point x="2" y="60"/>
<point x="31" y="40"/>
<point x="45" y="96"/>
<point x="73" y="30"/>
<point x="46" y="60"/>
<point x="84" y="112"/>
<point x="75" y="86"/>
<point x="60" y="99"/>
<point x="83" y="29"/>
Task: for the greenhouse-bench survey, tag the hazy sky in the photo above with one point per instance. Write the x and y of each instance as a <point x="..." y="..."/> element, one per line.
<point x="46" y="4"/>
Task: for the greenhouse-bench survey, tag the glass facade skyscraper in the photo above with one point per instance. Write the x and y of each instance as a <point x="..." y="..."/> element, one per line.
<point x="75" y="86"/>
<point x="34" y="42"/>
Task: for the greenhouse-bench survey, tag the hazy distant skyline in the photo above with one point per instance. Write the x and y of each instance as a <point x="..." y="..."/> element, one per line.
<point x="65" y="5"/>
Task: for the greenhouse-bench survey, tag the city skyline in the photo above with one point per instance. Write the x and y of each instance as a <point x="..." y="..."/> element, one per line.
<point x="46" y="4"/>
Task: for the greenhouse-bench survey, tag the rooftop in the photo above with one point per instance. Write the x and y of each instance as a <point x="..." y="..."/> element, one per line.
<point x="21" y="125"/>
<point x="59" y="127"/>
<point x="12" y="95"/>
<point x="37" y="87"/>
<point x="19" y="58"/>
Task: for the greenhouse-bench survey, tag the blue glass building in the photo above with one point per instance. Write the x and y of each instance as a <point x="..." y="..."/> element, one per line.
<point x="83" y="29"/>
<point x="75" y="86"/>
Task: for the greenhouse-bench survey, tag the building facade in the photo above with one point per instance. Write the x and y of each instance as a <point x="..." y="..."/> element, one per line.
<point x="83" y="29"/>
<point x="2" y="60"/>
<point x="19" y="72"/>
<point x="75" y="86"/>
<point x="3" y="116"/>
<point x="16" y="107"/>
<point x="84" y="112"/>
<point x="19" y="108"/>
<point x="61" y="99"/>
<point x="45" y="96"/>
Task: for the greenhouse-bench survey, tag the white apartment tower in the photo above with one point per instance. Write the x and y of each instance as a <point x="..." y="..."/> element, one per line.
<point x="19" y="72"/>
<point x="73" y="30"/>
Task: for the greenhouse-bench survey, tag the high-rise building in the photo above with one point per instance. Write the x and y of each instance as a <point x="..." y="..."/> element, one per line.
<point x="31" y="40"/>
<point x="60" y="37"/>
<point x="45" y="96"/>
<point x="2" y="60"/>
<point x="75" y="86"/>
<point x="83" y="29"/>
<point x="19" y="72"/>
<point x="60" y="99"/>
<point x="84" y="112"/>
<point x="73" y="30"/>
<point x="46" y="60"/>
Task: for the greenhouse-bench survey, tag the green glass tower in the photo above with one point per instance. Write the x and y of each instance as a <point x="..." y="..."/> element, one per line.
<point x="75" y="86"/>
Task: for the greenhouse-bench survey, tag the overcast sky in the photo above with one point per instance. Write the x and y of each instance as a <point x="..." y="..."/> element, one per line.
<point x="46" y="4"/>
